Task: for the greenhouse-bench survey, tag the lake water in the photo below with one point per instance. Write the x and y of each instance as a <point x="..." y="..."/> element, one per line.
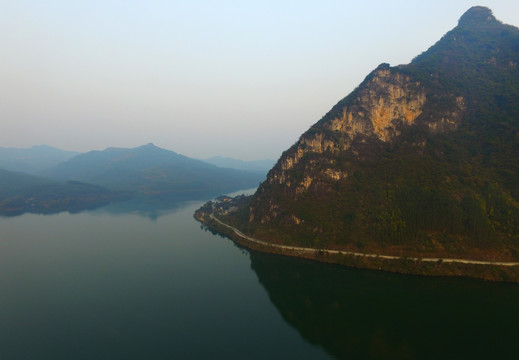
<point x="110" y="284"/>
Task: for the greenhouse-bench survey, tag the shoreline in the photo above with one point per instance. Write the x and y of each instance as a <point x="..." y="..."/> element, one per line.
<point x="486" y="270"/>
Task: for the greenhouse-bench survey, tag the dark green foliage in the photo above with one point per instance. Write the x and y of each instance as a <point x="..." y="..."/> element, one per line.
<point x="207" y="208"/>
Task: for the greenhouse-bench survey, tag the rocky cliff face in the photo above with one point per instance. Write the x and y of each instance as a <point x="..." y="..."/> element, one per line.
<point x="386" y="103"/>
<point x="412" y="153"/>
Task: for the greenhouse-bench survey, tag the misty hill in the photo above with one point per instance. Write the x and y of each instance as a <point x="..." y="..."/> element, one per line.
<point x="21" y="193"/>
<point x="259" y="166"/>
<point x="11" y="182"/>
<point x="419" y="160"/>
<point x="33" y="160"/>
<point x="151" y="171"/>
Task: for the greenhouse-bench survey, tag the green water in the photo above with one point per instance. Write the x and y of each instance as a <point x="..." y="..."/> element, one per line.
<point x="116" y="285"/>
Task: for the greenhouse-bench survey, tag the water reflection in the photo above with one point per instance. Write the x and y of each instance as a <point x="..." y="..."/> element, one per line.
<point x="360" y="314"/>
<point x="148" y="207"/>
<point x="98" y="286"/>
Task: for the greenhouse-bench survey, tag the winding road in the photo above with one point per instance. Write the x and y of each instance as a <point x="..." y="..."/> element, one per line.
<point x="390" y="257"/>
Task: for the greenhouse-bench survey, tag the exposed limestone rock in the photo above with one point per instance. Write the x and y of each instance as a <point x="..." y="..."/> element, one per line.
<point x="384" y="105"/>
<point x="304" y="185"/>
<point x="306" y="182"/>
<point x="335" y="175"/>
<point x="318" y="144"/>
<point x="388" y="100"/>
<point x="289" y="162"/>
<point x="251" y="214"/>
<point x="296" y="220"/>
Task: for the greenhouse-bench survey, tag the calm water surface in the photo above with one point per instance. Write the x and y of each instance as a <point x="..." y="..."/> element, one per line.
<point x="154" y="285"/>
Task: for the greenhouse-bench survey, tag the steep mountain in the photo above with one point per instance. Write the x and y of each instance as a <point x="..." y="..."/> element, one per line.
<point x="20" y="192"/>
<point x="33" y="160"/>
<point x="259" y="166"/>
<point x="151" y="171"/>
<point x="419" y="160"/>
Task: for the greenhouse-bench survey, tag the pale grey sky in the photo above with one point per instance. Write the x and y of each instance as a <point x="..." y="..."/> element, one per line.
<point x="241" y="79"/>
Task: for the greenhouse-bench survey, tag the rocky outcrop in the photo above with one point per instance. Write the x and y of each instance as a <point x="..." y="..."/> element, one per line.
<point x="386" y="103"/>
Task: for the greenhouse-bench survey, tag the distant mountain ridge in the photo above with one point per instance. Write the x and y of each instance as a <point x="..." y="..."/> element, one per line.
<point x="33" y="160"/>
<point x="152" y="171"/>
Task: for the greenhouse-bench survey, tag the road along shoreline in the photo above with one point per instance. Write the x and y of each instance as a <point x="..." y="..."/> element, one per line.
<point x="446" y="260"/>
<point x="487" y="270"/>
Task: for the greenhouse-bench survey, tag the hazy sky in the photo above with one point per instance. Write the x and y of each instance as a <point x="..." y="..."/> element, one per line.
<point x="234" y="78"/>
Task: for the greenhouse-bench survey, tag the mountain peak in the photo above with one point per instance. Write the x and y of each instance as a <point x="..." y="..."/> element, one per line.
<point x="411" y="157"/>
<point x="477" y="15"/>
<point x="150" y="147"/>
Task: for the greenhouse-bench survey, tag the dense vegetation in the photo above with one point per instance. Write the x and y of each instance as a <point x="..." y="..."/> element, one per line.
<point x="444" y="193"/>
